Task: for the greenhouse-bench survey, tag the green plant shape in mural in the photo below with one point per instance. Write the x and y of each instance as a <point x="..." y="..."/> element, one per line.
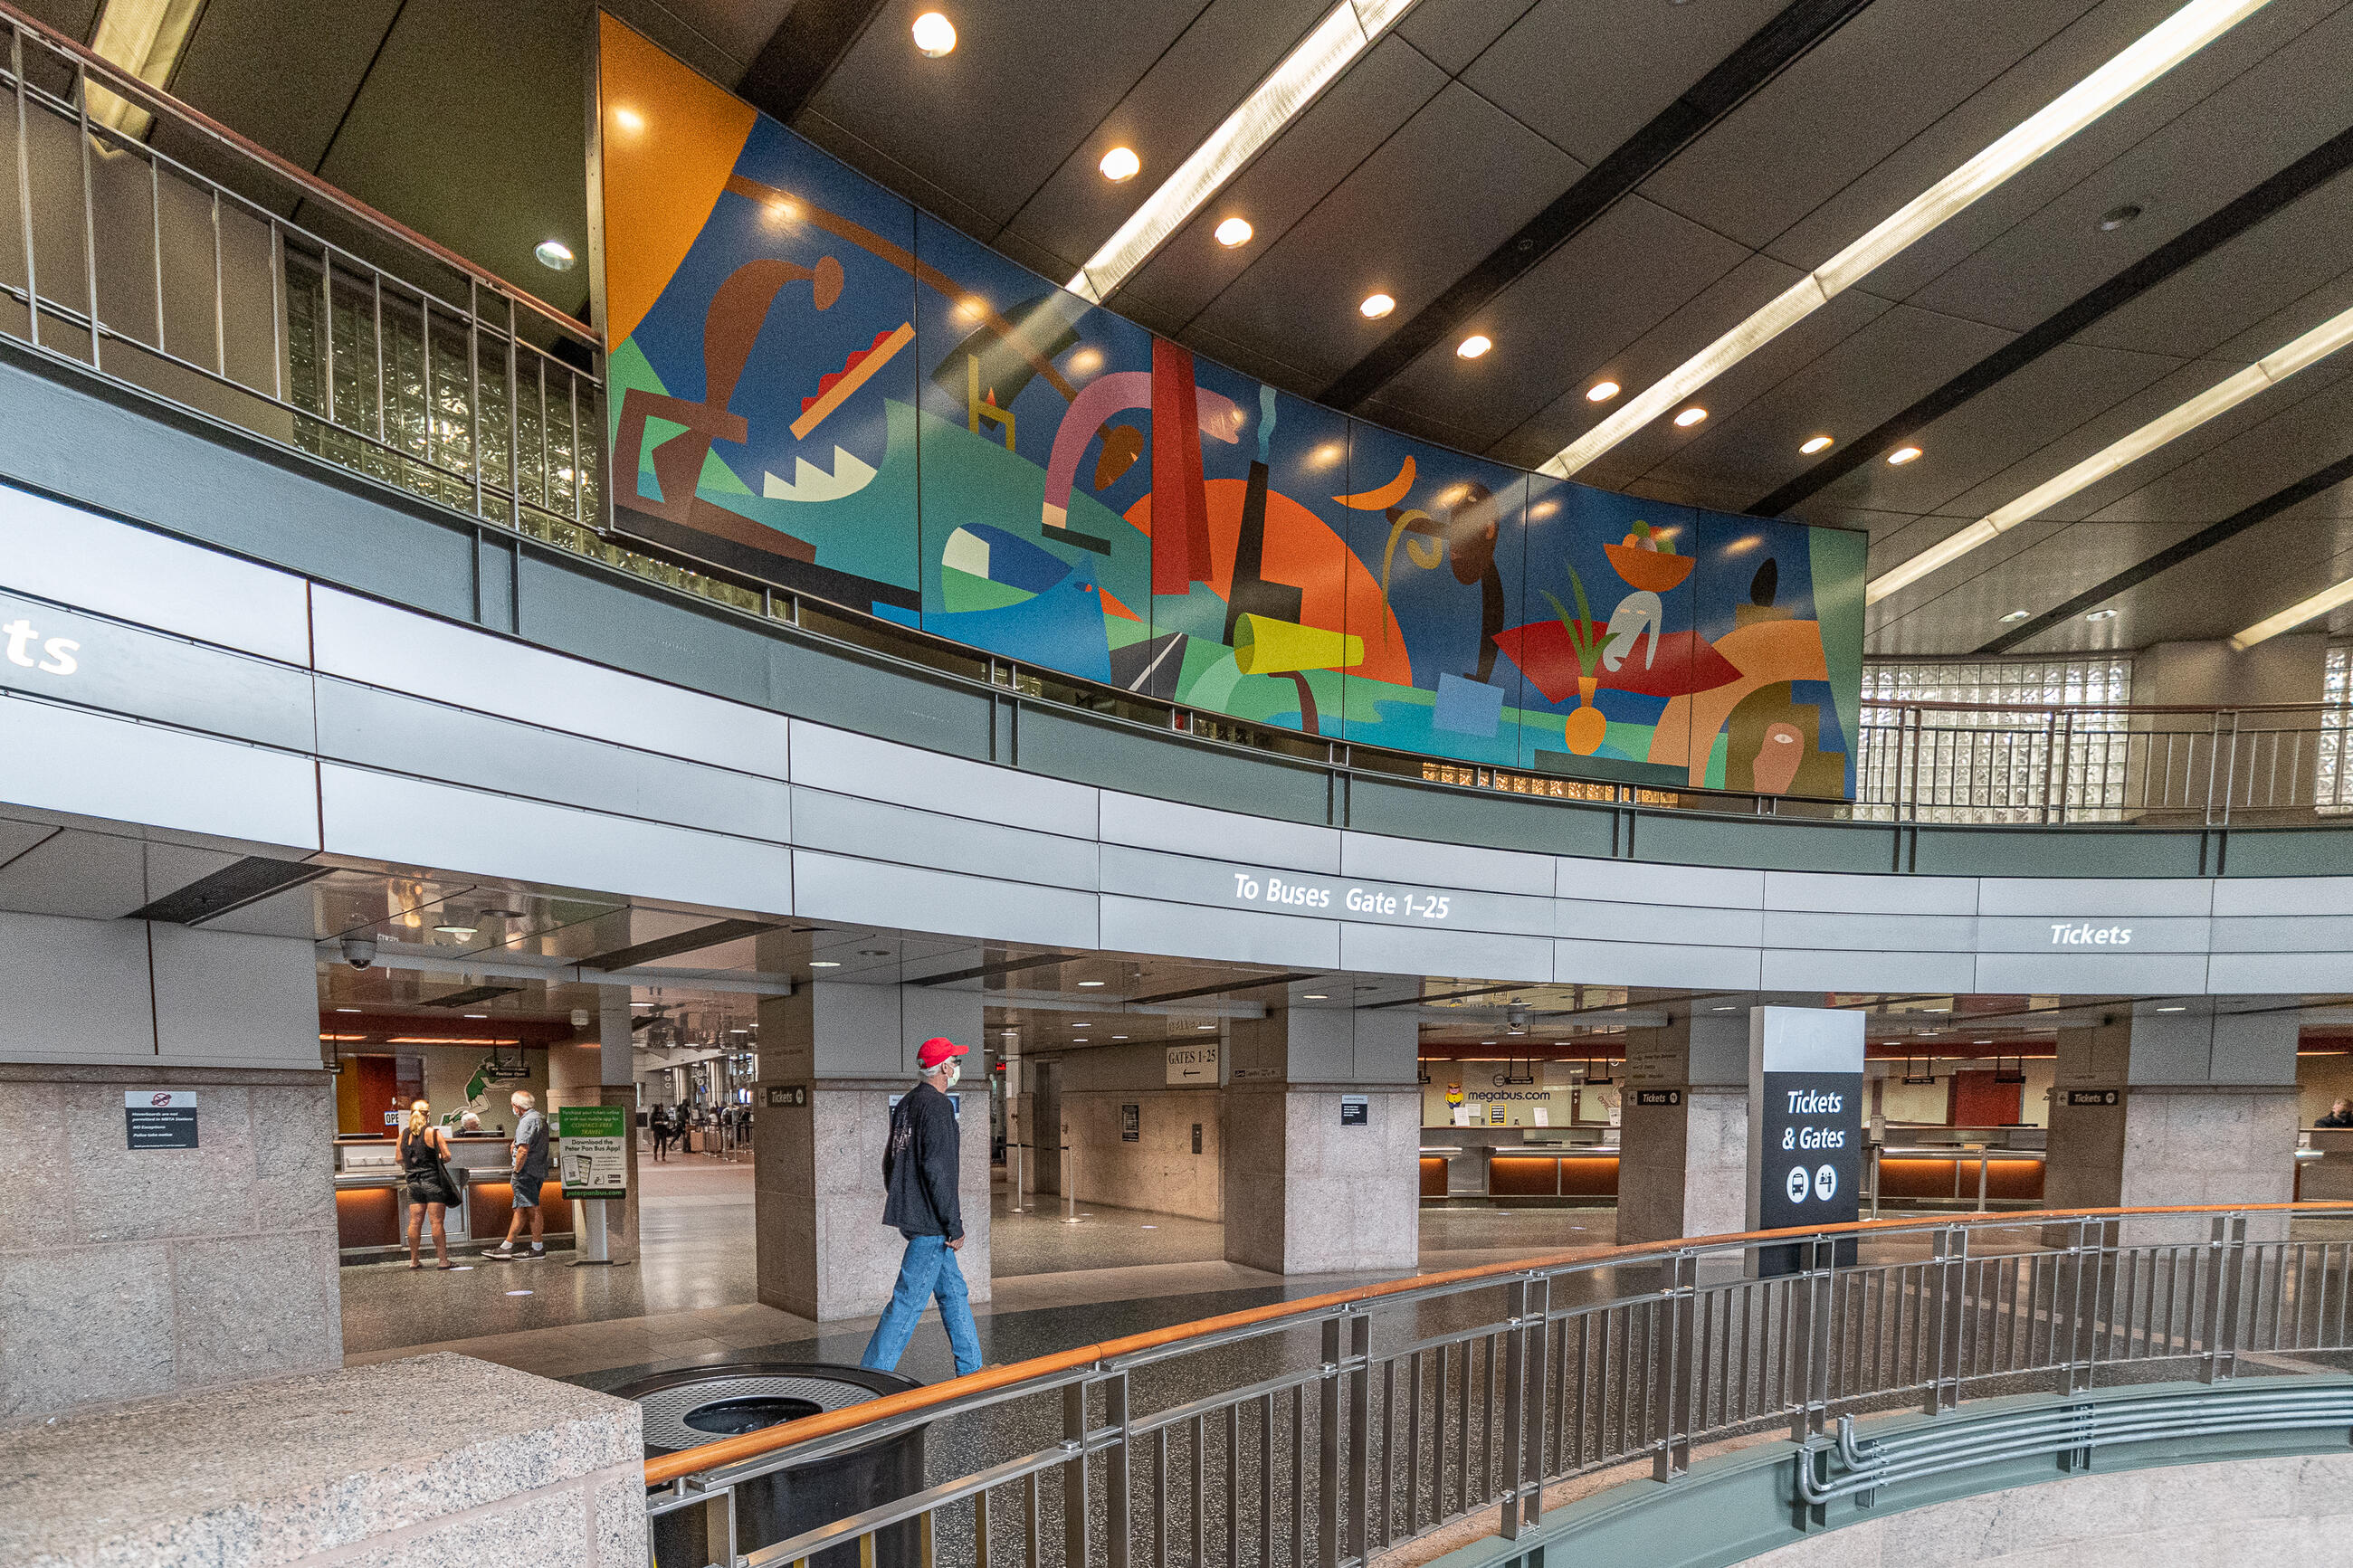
<point x="1584" y="730"/>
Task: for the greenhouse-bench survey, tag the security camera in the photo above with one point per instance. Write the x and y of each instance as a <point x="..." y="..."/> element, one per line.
<point x="359" y="952"/>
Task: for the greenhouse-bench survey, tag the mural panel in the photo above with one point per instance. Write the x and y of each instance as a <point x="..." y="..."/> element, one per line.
<point x="817" y="386"/>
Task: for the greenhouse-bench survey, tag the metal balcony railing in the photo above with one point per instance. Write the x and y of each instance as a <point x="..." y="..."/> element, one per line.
<point x="174" y="260"/>
<point x="1325" y="1431"/>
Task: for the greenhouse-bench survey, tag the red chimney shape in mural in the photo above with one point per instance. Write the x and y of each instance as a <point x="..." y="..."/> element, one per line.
<point x="1180" y="506"/>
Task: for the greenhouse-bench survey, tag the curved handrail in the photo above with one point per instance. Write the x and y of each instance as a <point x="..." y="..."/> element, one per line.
<point x="124" y="85"/>
<point x="774" y="1439"/>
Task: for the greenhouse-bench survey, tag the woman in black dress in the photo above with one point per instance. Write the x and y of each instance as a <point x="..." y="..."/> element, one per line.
<point x="422" y="1149"/>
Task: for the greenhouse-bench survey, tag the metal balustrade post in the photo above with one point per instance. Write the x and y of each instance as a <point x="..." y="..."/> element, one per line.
<point x="1809" y="1336"/>
<point x="1327" y="1434"/>
<point x="1076" y="1551"/>
<point x="1115" y="1460"/>
<point x="1947" y="1314"/>
<point x="1360" y="1434"/>
<point x="2225" y="1286"/>
<point x="1670" y="1367"/>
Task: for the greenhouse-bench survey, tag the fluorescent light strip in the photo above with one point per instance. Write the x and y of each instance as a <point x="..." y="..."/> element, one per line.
<point x="2158" y="50"/>
<point x="1342" y="34"/>
<point x="2215" y="401"/>
<point x="2295" y="615"/>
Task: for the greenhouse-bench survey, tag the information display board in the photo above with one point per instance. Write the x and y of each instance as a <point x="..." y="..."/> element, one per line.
<point x="1805" y="1126"/>
<point x="594" y="1162"/>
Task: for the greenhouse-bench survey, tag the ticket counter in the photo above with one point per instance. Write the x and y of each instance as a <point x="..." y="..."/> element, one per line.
<point x="372" y="1198"/>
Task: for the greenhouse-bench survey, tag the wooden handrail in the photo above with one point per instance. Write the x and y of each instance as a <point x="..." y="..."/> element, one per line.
<point x="124" y="85"/>
<point x="769" y="1440"/>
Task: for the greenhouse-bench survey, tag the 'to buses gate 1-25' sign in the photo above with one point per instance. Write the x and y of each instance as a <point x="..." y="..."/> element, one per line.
<point x="1805" y="1125"/>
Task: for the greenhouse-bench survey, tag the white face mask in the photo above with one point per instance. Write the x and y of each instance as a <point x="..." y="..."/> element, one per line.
<point x="954" y="1073"/>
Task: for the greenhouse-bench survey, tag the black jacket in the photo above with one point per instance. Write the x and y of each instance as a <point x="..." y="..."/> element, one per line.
<point x="920" y="1165"/>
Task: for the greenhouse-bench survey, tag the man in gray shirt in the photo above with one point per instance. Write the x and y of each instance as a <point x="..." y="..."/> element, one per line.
<point x="530" y="1163"/>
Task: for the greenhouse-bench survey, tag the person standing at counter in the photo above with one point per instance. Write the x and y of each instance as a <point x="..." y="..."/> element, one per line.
<point x="531" y="1162"/>
<point x="2340" y="1114"/>
<point x="423" y="1153"/>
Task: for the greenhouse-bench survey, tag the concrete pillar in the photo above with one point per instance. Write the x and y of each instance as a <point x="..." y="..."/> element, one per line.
<point x="597" y="1071"/>
<point x="2203" y="1111"/>
<point x="1682" y="1159"/>
<point x="832" y="1054"/>
<point x="128" y="1272"/>
<point x="1316" y="1190"/>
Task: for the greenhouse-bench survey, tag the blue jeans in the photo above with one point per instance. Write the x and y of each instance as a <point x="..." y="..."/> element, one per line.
<point x="929" y="1269"/>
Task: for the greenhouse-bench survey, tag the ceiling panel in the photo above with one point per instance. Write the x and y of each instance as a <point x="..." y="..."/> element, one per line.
<point x="2294" y="429"/>
<point x="1453" y="33"/>
<point x="1588" y="74"/>
<point x="993" y="120"/>
<point x="242" y="54"/>
<point x="1189" y="91"/>
<point x="738" y="28"/>
<point x="1877" y="82"/>
<point x="1568" y="321"/>
<point x="88" y="876"/>
<point x="1348" y="125"/>
<point x="1432" y="199"/>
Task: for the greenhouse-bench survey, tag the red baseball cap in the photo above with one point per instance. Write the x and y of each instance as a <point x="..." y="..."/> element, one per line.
<point x="936" y="1050"/>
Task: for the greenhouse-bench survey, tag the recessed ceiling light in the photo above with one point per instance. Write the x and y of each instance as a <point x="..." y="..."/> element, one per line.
<point x="1119" y="1037"/>
<point x="2101" y="615"/>
<point x="823" y="963"/>
<point x="347" y="1009"/>
<point x="554" y="254"/>
<point x="1601" y="392"/>
<point x="1082" y="1026"/>
<point x="1814" y="444"/>
<point x="453" y="929"/>
<point x="1375" y="306"/>
<point x="2115" y="219"/>
<point x="1315" y="996"/>
<point x="1234" y="231"/>
<point x="1205" y="1026"/>
<point x="1089" y="984"/>
<point x="630" y="119"/>
<point x="1690" y="417"/>
<point x="1120" y="164"/>
<point x="2017" y="616"/>
<point x="935" y="35"/>
<point x="1474" y="345"/>
<point x="2171" y="1009"/>
<point x="1727" y="1008"/>
<point x="1901" y="456"/>
<point x="477" y="1015"/>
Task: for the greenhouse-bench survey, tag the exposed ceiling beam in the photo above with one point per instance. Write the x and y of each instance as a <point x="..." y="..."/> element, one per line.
<point x="2146" y="59"/>
<point x="670" y="946"/>
<point x="2197" y="543"/>
<point x="1222" y="987"/>
<point x="2299" y="179"/>
<point x="803" y="51"/>
<point x="1769" y="51"/>
<point x="234" y="886"/>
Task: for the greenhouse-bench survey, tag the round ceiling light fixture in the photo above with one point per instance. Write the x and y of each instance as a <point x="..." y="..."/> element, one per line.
<point x="554" y="254"/>
<point x="1375" y="306"/>
<point x="1234" y="231"/>
<point x="1901" y="456"/>
<point x="1474" y="345"/>
<point x="1814" y="444"/>
<point x="935" y="35"/>
<point x="2016" y="615"/>
<point x="1121" y="164"/>
<point x="1690" y="417"/>
<point x="2115" y="219"/>
<point x="1089" y="984"/>
<point x="1601" y="392"/>
<point x="2101" y="615"/>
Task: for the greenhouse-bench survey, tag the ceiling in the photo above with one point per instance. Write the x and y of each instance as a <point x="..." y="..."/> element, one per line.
<point x="1601" y="187"/>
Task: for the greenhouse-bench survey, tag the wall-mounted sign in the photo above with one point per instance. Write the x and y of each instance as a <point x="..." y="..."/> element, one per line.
<point x="1658" y="1096"/>
<point x="1131" y="1124"/>
<point x="1294" y="892"/>
<point x="2092" y="1097"/>
<point x="1197" y="1138"/>
<point x="787" y="1096"/>
<point x="1356" y="1110"/>
<point x="160" y="1118"/>
<point x="1194" y="1066"/>
<point x="1495" y="1116"/>
<point x="595" y="1160"/>
<point x="2083" y="933"/>
<point x="1805" y="1075"/>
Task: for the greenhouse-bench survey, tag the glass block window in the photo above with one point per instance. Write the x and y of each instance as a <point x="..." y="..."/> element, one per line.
<point x="2332" y="790"/>
<point x="2042" y="739"/>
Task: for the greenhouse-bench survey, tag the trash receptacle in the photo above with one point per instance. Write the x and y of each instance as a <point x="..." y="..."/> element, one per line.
<point x="700" y="1405"/>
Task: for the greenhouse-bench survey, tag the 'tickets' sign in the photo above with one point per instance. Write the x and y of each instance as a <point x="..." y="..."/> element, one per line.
<point x="1805" y="1074"/>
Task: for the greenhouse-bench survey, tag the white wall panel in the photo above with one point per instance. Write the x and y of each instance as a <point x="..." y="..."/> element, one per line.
<point x="1233" y="936"/>
<point x="1445" y="865"/>
<point x="2093" y="897"/>
<point x="409" y="822"/>
<point x="1473" y="954"/>
<point x="877" y="831"/>
<point x="65" y="759"/>
<point x="1641" y="882"/>
<point x="1834" y="892"/>
<point x="1794" y="968"/>
<point x="402" y="651"/>
<point x="1587" y="961"/>
<point x="853" y="764"/>
<point x="77" y="557"/>
<point x="1261" y="841"/>
<point x="229" y="1000"/>
<point x="875" y="892"/>
<point x="76" y="991"/>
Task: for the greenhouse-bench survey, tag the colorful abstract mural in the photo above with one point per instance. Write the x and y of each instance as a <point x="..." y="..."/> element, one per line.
<point x="816" y="385"/>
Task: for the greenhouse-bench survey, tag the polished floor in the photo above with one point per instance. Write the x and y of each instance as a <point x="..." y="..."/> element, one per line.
<point x="693" y="1295"/>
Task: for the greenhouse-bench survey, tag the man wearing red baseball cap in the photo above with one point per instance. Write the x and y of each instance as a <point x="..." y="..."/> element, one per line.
<point x="920" y="1166"/>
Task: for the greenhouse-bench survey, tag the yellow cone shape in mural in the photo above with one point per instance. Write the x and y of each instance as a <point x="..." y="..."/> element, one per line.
<point x="1264" y="646"/>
